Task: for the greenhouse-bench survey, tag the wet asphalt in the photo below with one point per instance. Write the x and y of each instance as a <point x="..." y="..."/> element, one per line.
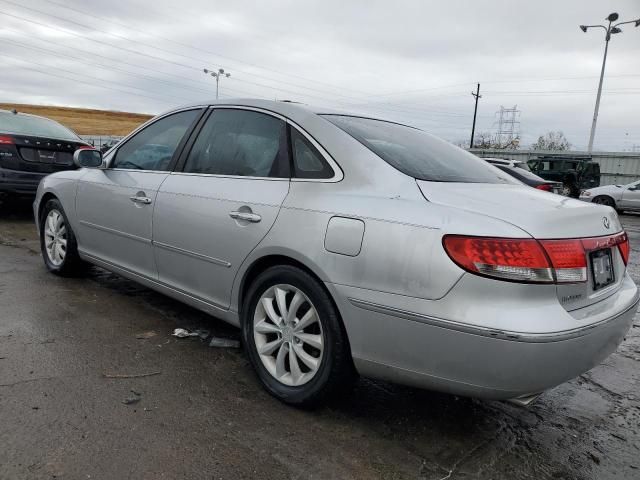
<point x="200" y="413"/>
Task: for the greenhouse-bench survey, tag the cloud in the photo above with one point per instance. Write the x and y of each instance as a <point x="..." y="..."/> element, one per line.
<point x="414" y="62"/>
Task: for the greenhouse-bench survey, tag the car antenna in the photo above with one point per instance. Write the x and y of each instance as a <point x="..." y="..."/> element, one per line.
<point x="14" y="111"/>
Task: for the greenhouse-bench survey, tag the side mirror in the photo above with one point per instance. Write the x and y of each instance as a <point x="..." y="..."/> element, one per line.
<point x="87" y="158"/>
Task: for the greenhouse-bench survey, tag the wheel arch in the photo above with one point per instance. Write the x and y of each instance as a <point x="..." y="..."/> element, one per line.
<point x="606" y="195"/>
<point x="262" y="263"/>
<point x="43" y="201"/>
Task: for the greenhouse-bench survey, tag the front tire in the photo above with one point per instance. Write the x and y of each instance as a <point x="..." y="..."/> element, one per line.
<point x="604" y="200"/>
<point x="58" y="242"/>
<point x="294" y="337"/>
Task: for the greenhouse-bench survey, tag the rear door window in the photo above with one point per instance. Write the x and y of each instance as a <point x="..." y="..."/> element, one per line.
<point x="240" y="143"/>
<point x="308" y="162"/>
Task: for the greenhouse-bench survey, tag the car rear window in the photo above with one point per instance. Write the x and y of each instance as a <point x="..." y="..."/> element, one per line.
<point x="18" y="124"/>
<point x="520" y="173"/>
<point x="417" y="153"/>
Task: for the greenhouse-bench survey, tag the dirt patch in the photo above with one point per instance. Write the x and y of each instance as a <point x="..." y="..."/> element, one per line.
<point x="85" y="121"/>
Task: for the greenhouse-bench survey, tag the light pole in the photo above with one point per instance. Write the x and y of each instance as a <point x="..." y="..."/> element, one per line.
<point x="610" y="30"/>
<point x="217" y="75"/>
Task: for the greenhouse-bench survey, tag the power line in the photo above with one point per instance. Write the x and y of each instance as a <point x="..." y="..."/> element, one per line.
<point x="92" y="84"/>
<point x="124" y="62"/>
<point x="199" y="60"/>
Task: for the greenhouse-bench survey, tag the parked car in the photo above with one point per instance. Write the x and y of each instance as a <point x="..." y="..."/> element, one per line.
<point x="575" y="173"/>
<point x="530" y="179"/>
<point x="620" y="197"/>
<point x="507" y="163"/>
<point x="108" y="145"/>
<point x="341" y="244"/>
<point x="32" y="147"/>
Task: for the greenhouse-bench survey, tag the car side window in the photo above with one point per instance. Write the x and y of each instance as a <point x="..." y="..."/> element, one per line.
<point x="308" y="162"/>
<point x="153" y="147"/>
<point x="240" y="143"/>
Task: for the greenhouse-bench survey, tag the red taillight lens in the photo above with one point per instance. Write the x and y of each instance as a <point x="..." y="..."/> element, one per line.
<point x="625" y="249"/>
<point x="545" y="186"/>
<point x="530" y="260"/>
<point x="6" y="140"/>
<point x="506" y="258"/>
<point x="568" y="259"/>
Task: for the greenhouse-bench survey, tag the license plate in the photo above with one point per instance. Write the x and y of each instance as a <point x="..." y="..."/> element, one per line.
<point x="45" y="156"/>
<point x="602" y="268"/>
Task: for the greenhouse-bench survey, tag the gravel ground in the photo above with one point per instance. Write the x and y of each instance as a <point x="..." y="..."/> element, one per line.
<point x="202" y="413"/>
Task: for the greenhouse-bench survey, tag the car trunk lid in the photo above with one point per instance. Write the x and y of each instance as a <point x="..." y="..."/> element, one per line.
<point x="39" y="154"/>
<point x="544" y="216"/>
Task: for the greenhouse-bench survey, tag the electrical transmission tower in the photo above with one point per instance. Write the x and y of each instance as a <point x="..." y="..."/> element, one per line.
<point x="508" y="126"/>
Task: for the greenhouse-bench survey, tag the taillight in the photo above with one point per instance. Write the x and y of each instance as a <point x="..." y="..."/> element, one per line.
<point x="6" y="140"/>
<point x="521" y="260"/>
<point x="530" y="260"/>
<point x="568" y="259"/>
<point x="625" y="248"/>
<point x="545" y="186"/>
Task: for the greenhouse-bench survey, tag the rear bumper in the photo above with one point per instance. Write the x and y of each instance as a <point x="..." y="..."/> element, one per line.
<point x="415" y="349"/>
<point x="21" y="183"/>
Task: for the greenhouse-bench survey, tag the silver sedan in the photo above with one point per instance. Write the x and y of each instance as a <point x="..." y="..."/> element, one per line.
<point x="620" y="197"/>
<point x="345" y="245"/>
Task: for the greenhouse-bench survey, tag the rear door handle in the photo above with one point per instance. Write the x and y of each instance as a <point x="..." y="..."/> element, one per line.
<point x="143" y="200"/>
<point x="247" y="216"/>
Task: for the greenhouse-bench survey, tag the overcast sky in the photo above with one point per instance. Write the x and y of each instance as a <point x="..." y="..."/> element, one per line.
<point x="410" y="61"/>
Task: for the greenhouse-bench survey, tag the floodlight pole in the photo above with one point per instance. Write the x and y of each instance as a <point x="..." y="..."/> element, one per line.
<point x="609" y="29"/>
<point x="217" y="75"/>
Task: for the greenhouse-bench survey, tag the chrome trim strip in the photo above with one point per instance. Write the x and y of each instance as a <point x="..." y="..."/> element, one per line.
<point x="240" y="177"/>
<point x="189" y="253"/>
<point x="486" y="332"/>
<point x="113" y="267"/>
<point x="115" y="232"/>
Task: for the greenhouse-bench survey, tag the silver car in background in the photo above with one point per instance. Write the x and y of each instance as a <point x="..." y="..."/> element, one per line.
<point x="620" y="197"/>
<point x="343" y="245"/>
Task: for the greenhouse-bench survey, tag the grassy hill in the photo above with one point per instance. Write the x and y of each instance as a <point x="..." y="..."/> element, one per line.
<point x="85" y="121"/>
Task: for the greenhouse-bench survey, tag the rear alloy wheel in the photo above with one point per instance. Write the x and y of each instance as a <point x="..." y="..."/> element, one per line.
<point x="288" y="335"/>
<point x="57" y="241"/>
<point x="294" y="337"/>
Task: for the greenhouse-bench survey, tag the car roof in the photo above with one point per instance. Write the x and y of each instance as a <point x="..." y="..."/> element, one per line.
<point x="286" y="108"/>
<point x="22" y="114"/>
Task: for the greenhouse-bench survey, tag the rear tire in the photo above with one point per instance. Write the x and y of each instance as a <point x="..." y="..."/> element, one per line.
<point x="302" y="357"/>
<point x="58" y="242"/>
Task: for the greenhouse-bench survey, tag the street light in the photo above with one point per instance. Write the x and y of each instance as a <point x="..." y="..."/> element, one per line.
<point x="610" y="30"/>
<point x="217" y="75"/>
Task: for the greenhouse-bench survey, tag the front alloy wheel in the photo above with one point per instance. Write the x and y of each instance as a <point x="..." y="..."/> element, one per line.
<point x="288" y="335"/>
<point x="58" y="242"/>
<point x="55" y="237"/>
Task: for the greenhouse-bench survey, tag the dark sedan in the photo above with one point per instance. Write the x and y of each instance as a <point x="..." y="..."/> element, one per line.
<point x="531" y="179"/>
<point x="32" y="147"/>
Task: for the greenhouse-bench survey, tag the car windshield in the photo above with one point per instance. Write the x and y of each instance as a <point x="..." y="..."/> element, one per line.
<point x="18" y="124"/>
<point x="417" y="153"/>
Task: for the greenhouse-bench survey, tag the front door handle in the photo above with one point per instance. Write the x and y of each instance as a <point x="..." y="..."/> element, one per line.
<point x="143" y="200"/>
<point x="247" y="216"/>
